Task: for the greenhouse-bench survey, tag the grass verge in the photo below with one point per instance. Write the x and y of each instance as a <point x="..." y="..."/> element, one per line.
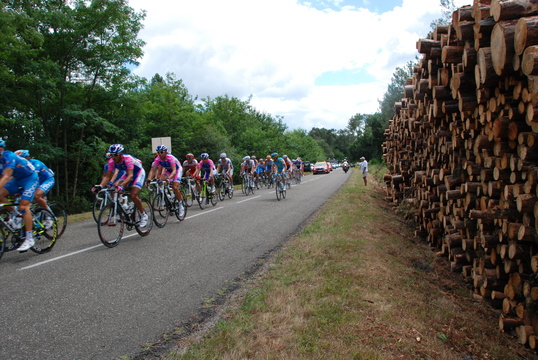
<point x="355" y="284"/>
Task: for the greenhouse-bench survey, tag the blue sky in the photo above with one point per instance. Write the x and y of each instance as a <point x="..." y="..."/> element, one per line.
<point x="314" y="63"/>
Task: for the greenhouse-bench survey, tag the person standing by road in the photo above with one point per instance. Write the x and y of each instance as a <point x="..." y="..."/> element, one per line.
<point x="364" y="170"/>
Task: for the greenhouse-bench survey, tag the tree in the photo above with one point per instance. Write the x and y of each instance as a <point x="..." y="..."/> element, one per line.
<point x="394" y="91"/>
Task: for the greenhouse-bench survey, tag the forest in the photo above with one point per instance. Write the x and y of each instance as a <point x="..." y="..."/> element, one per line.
<point x="68" y="93"/>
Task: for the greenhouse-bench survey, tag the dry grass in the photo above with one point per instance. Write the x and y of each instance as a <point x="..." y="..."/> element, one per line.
<point x="355" y="284"/>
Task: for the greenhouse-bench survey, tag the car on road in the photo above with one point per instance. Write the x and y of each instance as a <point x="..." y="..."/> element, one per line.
<point x="321" y="167"/>
<point x="307" y="166"/>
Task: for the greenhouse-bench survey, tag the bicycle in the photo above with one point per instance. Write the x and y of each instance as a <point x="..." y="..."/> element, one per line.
<point x="206" y="196"/>
<point x="164" y="202"/>
<point x="225" y="188"/>
<point x="44" y="231"/>
<point x="247" y="185"/>
<point x="280" y="187"/>
<point x="114" y="217"/>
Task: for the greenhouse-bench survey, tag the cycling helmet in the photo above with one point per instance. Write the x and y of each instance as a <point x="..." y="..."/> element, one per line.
<point x="2" y="143"/>
<point x="108" y="155"/>
<point x="285" y="156"/>
<point x="268" y="157"/>
<point x="23" y="153"/>
<point x="190" y="156"/>
<point x="161" y="148"/>
<point x="223" y="155"/>
<point x="246" y="158"/>
<point x="116" y="149"/>
<point x="204" y="156"/>
<point x="274" y="154"/>
<point x="253" y="157"/>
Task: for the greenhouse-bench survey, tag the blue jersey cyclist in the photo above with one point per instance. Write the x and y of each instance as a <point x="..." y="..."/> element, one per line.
<point x="18" y="173"/>
<point x="134" y="176"/>
<point x="45" y="176"/>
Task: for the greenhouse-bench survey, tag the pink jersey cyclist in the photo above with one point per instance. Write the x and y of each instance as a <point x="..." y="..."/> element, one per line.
<point x="129" y="162"/>
<point x="167" y="165"/>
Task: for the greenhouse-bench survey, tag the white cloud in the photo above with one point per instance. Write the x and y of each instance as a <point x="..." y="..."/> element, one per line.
<point x="275" y="49"/>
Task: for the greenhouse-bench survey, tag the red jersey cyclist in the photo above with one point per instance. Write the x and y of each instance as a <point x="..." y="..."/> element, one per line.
<point x="209" y="171"/>
<point x="134" y="176"/>
<point x="166" y="167"/>
<point x="189" y="165"/>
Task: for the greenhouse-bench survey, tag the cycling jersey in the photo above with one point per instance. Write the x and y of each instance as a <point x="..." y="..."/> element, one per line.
<point x="225" y="164"/>
<point x="44" y="174"/>
<point x="279" y="164"/>
<point x="248" y="166"/>
<point x="268" y="165"/>
<point x="190" y="166"/>
<point x="298" y="164"/>
<point x="208" y="166"/>
<point x="24" y="175"/>
<point x="288" y="163"/>
<point x="129" y="162"/>
<point x="166" y="163"/>
<point x="260" y="168"/>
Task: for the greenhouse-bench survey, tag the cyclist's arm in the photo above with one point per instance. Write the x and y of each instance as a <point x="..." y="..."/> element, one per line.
<point x="106" y="178"/>
<point x="6" y="177"/>
<point x="128" y="178"/>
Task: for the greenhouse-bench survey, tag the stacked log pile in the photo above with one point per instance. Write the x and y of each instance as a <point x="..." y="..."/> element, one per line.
<point x="462" y="151"/>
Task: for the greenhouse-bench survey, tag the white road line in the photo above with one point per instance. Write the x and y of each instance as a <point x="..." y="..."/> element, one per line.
<point x="204" y="212"/>
<point x="250" y="198"/>
<point x="63" y="256"/>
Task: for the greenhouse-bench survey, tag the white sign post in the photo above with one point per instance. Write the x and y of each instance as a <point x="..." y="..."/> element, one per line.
<point x="167" y="141"/>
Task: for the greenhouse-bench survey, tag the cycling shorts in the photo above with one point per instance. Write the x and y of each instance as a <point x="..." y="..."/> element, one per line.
<point x="177" y="177"/>
<point x="260" y="170"/>
<point x="28" y="184"/>
<point x="47" y="185"/>
<point x="138" y="181"/>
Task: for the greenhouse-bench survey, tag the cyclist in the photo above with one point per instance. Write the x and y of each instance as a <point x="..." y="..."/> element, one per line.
<point x="260" y="169"/>
<point x="134" y="176"/>
<point x="225" y="165"/>
<point x="298" y="166"/>
<point x="248" y="166"/>
<point x="189" y="165"/>
<point x="279" y="166"/>
<point x="288" y="166"/>
<point x="268" y="166"/>
<point x="18" y="172"/>
<point x="167" y="167"/>
<point x="209" y="171"/>
<point x="45" y="176"/>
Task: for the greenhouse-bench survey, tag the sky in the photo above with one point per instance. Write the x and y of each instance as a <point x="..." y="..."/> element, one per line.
<point x="312" y="63"/>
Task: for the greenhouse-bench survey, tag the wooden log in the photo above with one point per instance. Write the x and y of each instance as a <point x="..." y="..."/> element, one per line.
<point x="529" y="61"/>
<point x="452" y="54"/>
<point x="509" y="323"/>
<point x="502" y="45"/>
<point x="512" y="9"/>
<point x="526" y="33"/>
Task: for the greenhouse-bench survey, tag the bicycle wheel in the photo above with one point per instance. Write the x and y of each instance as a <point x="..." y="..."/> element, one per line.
<point x="110" y="225"/>
<point x="230" y="190"/>
<point x="214" y="198"/>
<point x="277" y="190"/>
<point x="61" y="216"/>
<point x="45" y="230"/>
<point x="97" y="205"/>
<point x="160" y="210"/>
<point x="283" y="192"/>
<point x="222" y="190"/>
<point x="177" y="211"/>
<point x="202" y="197"/>
<point x="188" y="195"/>
<point x="144" y="231"/>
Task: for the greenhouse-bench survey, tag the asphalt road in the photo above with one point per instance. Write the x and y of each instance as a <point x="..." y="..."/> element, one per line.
<point x="85" y="301"/>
